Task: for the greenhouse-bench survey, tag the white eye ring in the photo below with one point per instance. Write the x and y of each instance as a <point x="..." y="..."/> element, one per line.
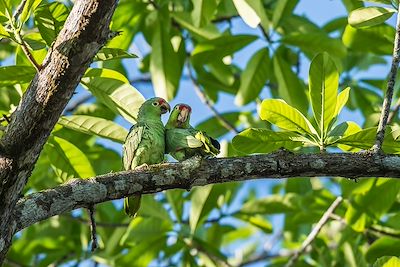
<point x="155" y="104"/>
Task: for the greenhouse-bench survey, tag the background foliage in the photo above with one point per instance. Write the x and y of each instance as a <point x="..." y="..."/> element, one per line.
<point x="249" y="224"/>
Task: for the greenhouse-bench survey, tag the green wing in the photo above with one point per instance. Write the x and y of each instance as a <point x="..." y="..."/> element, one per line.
<point x="178" y="139"/>
<point x="131" y="145"/>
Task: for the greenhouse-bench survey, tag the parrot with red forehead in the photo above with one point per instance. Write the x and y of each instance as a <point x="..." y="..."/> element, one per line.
<point x="183" y="141"/>
<point x="145" y="143"/>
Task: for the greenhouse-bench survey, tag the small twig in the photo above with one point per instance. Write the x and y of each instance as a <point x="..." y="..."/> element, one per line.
<point x="19" y="9"/>
<point x="377" y="148"/>
<point x="5" y="118"/>
<point x="27" y="53"/>
<point x="310" y="238"/>
<point x="203" y="97"/>
<point x="93" y="227"/>
<point x="394" y="113"/>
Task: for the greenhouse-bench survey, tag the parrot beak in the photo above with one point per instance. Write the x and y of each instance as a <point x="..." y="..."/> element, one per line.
<point x="165" y="107"/>
<point x="183" y="115"/>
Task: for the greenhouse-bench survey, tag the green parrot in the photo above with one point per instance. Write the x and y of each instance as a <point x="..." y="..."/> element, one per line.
<point x="183" y="141"/>
<point x="145" y="143"/>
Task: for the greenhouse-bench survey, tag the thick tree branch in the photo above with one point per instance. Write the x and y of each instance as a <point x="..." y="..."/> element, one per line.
<point x="84" y="33"/>
<point x="389" y="90"/>
<point x="80" y="193"/>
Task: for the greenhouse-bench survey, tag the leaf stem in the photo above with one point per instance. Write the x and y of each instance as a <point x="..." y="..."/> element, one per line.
<point x="377" y="147"/>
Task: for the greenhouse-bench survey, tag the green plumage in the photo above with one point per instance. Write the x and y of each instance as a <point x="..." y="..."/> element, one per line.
<point x="145" y="143"/>
<point x="183" y="141"/>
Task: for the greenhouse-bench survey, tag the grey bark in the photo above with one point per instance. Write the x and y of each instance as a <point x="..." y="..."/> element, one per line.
<point x="84" y="33"/>
<point x="79" y="193"/>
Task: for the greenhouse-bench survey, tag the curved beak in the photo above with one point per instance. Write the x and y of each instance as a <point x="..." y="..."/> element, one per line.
<point x="183" y="115"/>
<point x="165" y="107"/>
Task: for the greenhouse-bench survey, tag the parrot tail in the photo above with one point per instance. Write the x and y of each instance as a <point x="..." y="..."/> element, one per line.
<point x="132" y="205"/>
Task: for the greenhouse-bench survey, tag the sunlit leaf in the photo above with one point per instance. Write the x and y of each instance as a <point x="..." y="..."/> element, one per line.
<point x="370" y="16"/>
<point x="278" y="112"/>
<point x="264" y="141"/>
<point x="108" y="53"/>
<point x="94" y="125"/>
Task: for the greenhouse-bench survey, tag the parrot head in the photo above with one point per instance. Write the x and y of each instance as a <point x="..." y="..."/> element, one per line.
<point x="180" y="116"/>
<point x="154" y="106"/>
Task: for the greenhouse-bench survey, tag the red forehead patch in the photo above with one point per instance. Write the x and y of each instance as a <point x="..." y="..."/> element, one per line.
<point x="183" y="106"/>
<point x="161" y="101"/>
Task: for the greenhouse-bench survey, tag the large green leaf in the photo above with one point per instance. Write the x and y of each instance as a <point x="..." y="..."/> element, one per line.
<point x="105" y="73"/>
<point x="290" y="88"/>
<point x="384" y="246"/>
<point x="30" y="5"/>
<point x="120" y="97"/>
<point x="50" y="19"/>
<point x="323" y="88"/>
<point x="67" y="160"/>
<point x="94" y="125"/>
<point x="282" y="9"/>
<point x="284" y="116"/>
<point x="263" y="141"/>
<point x="253" y="78"/>
<point x="316" y="42"/>
<point x="341" y="100"/>
<point x="216" y="49"/>
<point x="203" y="11"/>
<point x="370" y="16"/>
<point x="376" y="39"/>
<point x="365" y="139"/>
<point x="387" y="261"/>
<point x="11" y="75"/>
<point x="207" y="32"/>
<point x="247" y="12"/>
<point x="165" y="62"/>
<point x="198" y="200"/>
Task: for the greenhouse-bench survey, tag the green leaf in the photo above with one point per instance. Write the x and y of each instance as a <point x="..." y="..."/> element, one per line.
<point x="316" y="42"/>
<point x="12" y="75"/>
<point x="253" y="78"/>
<point x="215" y="128"/>
<point x="218" y="48"/>
<point x="284" y="116"/>
<point x="282" y="8"/>
<point x="3" y="32"/>
<point x="271" y="205"/>
<point x="387" y="261"/>
<point x="143" y="230"/>
<point x="257" y="221"/>
<point x="120" y="97"/>
<point x="247" y="12"/>
<point x="366" y="138"/>
<point x="376" y="39"/>
<point x="323" y="88"/>
<point x="50" y="19"/>
<point x="67" y="160"/>
<point x="198" y="200"/>
<point x="341" y="100"/>
<point x="370" y="16"/>
<point x="207" y="32"/>
<point x="165" y="62"/>
<point x="263" y="141"/>
<point x="94" y="125"/>
<point x="152" y="208"/>
<point x="30" y="5"/>
<point x="290" y="88"/>
<point x="175" y="199"/>
<point x="384" y="246"/>
<point x="203" y="11"/>
<point x="105" y="73"/>
<point x="385" y="2"/>
<point x="343" y="129"/>
<point x="107" y="53"/>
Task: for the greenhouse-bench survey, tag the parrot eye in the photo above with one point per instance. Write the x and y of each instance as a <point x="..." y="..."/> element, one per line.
<point x="155" y="104"/>
<point x="177" y="108"/>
